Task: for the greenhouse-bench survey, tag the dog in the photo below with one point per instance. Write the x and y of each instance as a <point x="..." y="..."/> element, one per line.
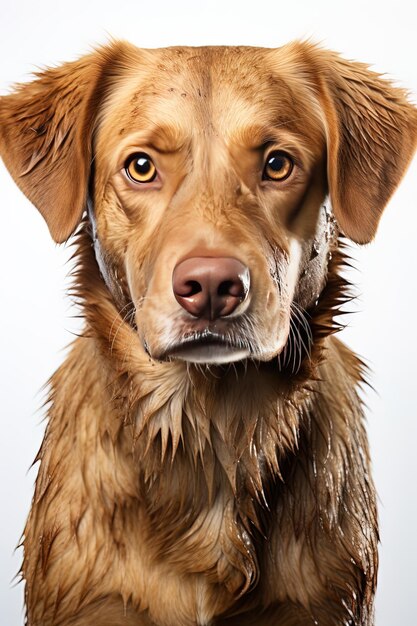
<point x="205" y="460"/>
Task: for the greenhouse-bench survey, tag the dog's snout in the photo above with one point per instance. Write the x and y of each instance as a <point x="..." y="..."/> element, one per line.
<point x="210" y="287"/>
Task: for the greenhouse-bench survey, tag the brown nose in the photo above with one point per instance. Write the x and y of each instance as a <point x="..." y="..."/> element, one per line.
<point x="210" y="287"/>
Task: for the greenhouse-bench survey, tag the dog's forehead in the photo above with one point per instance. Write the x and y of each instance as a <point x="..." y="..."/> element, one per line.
<point x="214" y="89"/>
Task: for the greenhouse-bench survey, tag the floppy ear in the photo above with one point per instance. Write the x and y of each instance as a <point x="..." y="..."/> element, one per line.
<point x="46" y="132"/>
<point x="372" y="135"/>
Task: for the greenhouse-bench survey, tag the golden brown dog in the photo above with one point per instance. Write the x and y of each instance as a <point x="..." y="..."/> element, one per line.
<point x="205" y="460"/>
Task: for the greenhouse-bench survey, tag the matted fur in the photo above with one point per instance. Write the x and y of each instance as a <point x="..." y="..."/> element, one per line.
<point x="171" y="493"/>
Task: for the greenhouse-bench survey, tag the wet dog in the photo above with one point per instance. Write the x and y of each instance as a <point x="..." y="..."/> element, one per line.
<point x="205" y="459"/>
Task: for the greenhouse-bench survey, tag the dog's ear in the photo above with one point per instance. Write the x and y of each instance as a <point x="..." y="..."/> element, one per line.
<point x="371" y="135"/>
<point x="46" y="131"/>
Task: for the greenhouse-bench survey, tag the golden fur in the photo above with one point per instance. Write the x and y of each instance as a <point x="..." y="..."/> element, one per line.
<point x="171" y="493"/>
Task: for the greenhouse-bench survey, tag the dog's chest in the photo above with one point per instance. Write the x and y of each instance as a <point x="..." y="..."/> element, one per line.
<point x="190" y="579"/>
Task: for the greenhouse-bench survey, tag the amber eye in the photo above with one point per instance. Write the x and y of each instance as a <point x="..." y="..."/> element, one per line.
<point x="140" y="168"/>
<point x="278" y="166"/>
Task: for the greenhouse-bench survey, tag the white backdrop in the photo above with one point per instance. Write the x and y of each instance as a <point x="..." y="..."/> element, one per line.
<point x="35" y="315"/>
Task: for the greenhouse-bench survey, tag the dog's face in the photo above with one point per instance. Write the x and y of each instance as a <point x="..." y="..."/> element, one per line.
<point x="209" y="177"/>
<point x="211" y="167"/>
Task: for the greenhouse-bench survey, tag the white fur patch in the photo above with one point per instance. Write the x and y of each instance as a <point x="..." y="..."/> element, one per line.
<point x="293" y="267"/>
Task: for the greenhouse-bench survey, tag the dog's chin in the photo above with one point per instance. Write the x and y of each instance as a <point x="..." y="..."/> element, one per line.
<point x="210" y="354"/>
<point x="207" y="347"/>
<point x="211" y="348"/>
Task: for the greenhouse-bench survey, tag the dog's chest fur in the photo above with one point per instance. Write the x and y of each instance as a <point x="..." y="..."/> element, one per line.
<point x="185" y="494"/>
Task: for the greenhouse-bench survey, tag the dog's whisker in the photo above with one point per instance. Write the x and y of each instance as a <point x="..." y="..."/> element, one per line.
<point x="117" y="317"/>
<point x="120" y="326"/>
<point x="300" y="316"/>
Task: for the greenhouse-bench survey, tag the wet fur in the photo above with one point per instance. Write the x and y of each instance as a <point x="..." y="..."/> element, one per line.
<point x="170" y="494"/>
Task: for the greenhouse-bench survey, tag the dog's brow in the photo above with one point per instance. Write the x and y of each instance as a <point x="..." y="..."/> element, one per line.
<point x="255" y="137"/>
<point x="166" y="138"/>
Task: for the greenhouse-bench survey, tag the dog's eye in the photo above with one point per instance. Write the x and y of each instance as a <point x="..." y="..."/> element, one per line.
<point x="140" y="168"/>
<point x="278" y="166"/>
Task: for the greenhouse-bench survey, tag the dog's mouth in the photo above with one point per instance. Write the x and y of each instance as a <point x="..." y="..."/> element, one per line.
<point x="208" y="347"/>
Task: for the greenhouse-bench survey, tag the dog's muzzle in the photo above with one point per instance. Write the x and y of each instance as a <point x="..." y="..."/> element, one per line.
<point x="212" y="291"/>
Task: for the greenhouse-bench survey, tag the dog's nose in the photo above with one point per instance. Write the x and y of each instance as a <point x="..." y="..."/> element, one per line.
<point x="210" y="287"/>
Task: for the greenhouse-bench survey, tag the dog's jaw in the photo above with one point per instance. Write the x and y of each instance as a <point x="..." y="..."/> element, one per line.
<point x="210" y="353"/>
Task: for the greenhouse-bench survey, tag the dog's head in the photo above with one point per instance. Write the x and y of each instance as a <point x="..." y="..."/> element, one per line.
<point x="206" y="171"/>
